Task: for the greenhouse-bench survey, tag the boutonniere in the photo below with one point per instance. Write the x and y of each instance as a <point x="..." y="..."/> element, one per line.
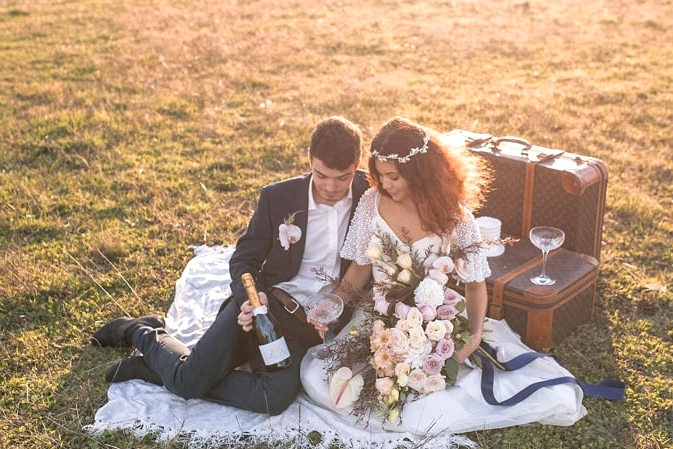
<point x="289" y="233"/>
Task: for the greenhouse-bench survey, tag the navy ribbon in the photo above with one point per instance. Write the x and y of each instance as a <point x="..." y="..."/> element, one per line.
<point x="610" y="389"/>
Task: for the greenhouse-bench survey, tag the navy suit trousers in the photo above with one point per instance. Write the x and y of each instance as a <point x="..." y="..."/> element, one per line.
<point x="208" y="371"/>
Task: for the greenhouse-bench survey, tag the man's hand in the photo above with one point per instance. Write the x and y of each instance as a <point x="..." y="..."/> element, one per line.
<point x="245" y="318"/>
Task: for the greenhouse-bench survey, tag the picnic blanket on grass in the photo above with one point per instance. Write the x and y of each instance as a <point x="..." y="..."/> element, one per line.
<point x="434" y="421"/>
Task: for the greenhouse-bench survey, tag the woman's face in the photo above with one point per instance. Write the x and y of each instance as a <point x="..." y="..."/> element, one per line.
<point x="392" y="182"/>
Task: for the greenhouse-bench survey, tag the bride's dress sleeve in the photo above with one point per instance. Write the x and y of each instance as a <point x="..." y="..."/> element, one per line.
<point x="476" y="263"/>
<point x="361" y="229"/>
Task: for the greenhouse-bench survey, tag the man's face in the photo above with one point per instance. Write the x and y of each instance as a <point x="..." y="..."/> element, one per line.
<point x="330" y="185"/>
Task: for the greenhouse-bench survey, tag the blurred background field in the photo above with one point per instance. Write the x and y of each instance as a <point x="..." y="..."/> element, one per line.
<point x="131" y="130"/>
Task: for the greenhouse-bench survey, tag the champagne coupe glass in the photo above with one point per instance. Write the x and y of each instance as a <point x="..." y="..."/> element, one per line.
<point x="546" y="239"/>
<point x="325" y="307"/>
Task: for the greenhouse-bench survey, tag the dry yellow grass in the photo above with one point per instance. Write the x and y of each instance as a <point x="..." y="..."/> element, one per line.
<point x="140" y="127"/>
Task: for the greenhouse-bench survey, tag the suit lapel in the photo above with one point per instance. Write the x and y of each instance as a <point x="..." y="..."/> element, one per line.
<point x="301" y="220"/>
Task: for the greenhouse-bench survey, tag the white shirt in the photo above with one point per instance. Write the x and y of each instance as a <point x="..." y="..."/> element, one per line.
<point x="325" y="233"/>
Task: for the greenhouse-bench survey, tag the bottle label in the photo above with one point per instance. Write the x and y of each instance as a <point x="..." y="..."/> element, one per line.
<point x="274" y="352"/>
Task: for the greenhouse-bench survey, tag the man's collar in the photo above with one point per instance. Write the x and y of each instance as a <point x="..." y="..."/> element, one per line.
<point x="311" y="201"/>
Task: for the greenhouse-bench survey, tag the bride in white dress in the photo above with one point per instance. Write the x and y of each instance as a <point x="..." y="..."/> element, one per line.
<point x="420" y="198"/>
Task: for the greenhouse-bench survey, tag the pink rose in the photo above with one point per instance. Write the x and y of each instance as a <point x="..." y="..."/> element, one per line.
<point x="429" y="312"/>
<point x="438" y="275"/>
<point x="381" y="304"/>
<point x="427" y="263"/>
<point x="433" y="364"/>
<point x="443" y="264"/>
<point x="445" y="348"/>
<point x="401" y="310"/>
<point x="447" y="312"/>
<point x="451" y="297"/>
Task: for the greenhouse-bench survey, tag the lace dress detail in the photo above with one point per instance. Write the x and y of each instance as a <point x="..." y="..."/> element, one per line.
<point x="367" y="219"/>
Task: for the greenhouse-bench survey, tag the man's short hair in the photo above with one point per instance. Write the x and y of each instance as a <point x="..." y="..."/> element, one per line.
<point x="337" y="142"/>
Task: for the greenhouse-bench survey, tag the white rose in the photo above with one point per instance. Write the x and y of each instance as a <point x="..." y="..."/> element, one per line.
<point x="399" y="342"/>
<point x="404" y="277"/>
<point x="404" y="261"/>
<point x="434" y="383"/>
<point x="414" y="317"/>
<point x="384" y="385"/>
<point x="429" y="292"/>
<point x="403" y="325"/>
<point x="449" y="326"/>
<point x="417" y="380"/>
<point x="402" y="369"/>
<point x="435" y="330"/>
<point x="373" y="251"/>
<point x="417" y="337"/>
<point x="415" y="356"/>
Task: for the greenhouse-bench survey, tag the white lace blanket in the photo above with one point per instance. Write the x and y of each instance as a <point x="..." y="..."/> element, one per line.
<point x="147" y="409"/>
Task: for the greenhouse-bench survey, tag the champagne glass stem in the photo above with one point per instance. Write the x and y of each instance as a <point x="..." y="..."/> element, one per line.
<point x="325" y="352"/>
<point x="544" y="264"/>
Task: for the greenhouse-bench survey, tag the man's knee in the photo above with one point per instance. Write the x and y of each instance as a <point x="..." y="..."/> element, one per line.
<point x="279" y="399"/>
<point x="187" y="385"/>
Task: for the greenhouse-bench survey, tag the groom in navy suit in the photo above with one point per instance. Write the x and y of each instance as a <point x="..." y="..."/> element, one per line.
<point x="297" y="229"/>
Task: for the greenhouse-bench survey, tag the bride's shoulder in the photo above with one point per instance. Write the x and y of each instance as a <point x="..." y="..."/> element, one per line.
<point x="370" y="195"/>
<point x="368" y="200"/>
<point x="466" y="230"/>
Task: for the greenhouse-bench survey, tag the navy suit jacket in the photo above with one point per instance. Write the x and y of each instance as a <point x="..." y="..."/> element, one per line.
<point x="258" y="250"/>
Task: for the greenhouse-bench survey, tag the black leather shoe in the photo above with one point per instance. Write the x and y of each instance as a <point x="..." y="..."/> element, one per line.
<point x="133" y="367"/>
<point x="118" y="332"/>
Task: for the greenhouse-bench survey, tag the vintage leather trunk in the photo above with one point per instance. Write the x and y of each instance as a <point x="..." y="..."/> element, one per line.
<point x="536" y="186"/>
<point x="543" y="316"/>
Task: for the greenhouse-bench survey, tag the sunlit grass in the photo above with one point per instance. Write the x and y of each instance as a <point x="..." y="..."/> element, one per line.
<point x="132" y="130"/>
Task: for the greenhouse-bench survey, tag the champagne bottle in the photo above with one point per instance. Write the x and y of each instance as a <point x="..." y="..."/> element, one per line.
<point x="271" y="342"/>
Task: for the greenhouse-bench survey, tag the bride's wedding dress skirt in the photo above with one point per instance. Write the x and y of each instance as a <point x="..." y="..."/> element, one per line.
<point x="462" y="408"/>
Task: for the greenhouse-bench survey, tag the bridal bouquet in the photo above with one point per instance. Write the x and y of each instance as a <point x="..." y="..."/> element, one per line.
<point x="409" y="335"/>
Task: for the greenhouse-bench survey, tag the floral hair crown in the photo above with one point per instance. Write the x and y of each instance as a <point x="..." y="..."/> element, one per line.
<point x="403" y="159"/>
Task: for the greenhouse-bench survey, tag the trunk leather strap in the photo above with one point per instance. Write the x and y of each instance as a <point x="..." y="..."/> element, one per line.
<point x="495" y="310"/>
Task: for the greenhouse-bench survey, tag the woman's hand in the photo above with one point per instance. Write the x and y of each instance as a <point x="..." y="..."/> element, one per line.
<point x="320" y="327"/>
<point x="476" y="301"/>
<point x="246" y="317"/>
<point x="468" y="349"/>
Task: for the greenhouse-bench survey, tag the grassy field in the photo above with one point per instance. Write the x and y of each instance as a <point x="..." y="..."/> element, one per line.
<point x="134" y="129"/>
